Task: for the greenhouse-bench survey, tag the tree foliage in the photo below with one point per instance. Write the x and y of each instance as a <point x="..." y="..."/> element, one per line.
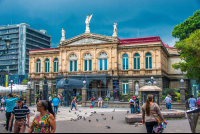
<point x="24" y="82"/>
<point x="190" y="53"/>
<point x="183" y="30"/>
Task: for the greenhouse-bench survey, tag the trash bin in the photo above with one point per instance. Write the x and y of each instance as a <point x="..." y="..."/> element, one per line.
<point x="194" y="120"/>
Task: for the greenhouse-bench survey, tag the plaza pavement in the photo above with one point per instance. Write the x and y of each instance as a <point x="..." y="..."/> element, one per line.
<point x="118" y="125"/>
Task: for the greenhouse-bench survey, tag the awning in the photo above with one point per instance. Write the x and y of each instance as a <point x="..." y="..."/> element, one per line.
<point x="149" y="88"/>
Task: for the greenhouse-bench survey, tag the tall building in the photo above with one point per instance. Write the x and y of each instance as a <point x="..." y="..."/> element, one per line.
<point x="23" y="38"/>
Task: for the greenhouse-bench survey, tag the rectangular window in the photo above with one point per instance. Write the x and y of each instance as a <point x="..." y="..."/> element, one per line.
<point x="138" y="63"/>
<point x="90" y="65"/>
<point x="147" y="62"/>
<point x="45" y="67"/>
<point x="85" y="65"/>
<point x="39" y="67"/>
<point x="105" y="64"/>
<point x="71" y="66"/>
<point x="36" y="67"/>
<point x="150" y="62"/>
<point x="75" y="65"/>
<point x="125" y="87"/>
<point x="124" y="63"/>
<point x="101" y="64"/>
<point x="57" y="66"/>
<point x="135" y="63"/>
<point x="54" y="66"/>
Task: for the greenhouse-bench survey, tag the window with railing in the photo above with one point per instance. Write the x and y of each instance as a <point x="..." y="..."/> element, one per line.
<point x="56" y="65"/>
<point x="87" y="62"/>
<point x="38" y="66"/>
<point x="125" y="87"/>
<point x="47" y="65"/>
<point x="137" y="61"/>
<point x="103" y="62"/>
<point x="125" y="62"/>
<point x="73" y="63"/>
<point x="148" y="61"/>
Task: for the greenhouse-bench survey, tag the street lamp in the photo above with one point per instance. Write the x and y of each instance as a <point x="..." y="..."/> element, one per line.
<point x="11" y="81"/>
<point x="8" y="42"/>
<point x="29" y="84"/>
<point x="152" y="81"/>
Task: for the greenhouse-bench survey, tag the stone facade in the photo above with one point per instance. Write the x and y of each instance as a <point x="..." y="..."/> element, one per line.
<point x="162" y="58"/>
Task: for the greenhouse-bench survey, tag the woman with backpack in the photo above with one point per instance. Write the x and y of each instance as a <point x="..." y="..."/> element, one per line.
<point x="151" y="114"/>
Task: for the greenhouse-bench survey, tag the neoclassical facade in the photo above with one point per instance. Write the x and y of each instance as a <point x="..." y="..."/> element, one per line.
<point x="107" y="63"/>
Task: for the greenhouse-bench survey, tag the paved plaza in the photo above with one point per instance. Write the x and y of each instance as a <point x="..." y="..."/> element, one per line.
<point x="117" y="125"/>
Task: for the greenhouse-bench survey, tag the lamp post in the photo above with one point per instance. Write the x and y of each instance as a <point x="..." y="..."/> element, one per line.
<point x="11" y="81"/>
<point x="152" y="81"/>
<point x="182" y="91"/>
<point x="29" y="84"/>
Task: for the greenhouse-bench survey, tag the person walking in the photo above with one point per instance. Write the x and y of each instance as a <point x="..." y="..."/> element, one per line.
<point x="37" y="99"/>
<point x="132" y="103"/>
<point x="92" y="100"/>
<point x="10" y="104"/>
<point x="55" y="102"/>
<point x="168" y="102"/>
<point x="20" y="112"/>
<point x="100" y="100"/>
<point x="192" y="103"/>
<point x="73" y="103"/>
<point x="44" y="122"/>
<point x="150" y="114"/>
<point x="2" y="105"/>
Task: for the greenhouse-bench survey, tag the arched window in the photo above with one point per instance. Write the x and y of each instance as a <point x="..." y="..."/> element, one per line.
<point x="38" y="66"/>
<point x="148" y="61"/>
<point x="137" y="61"/>
<point x="103" y="61"/>
<point x="87" y="62"/>
<point x="56" y="65"/>
<point x="47" y="65"/>
<point x="72" y="63"/>
<point x="125" y="61"/>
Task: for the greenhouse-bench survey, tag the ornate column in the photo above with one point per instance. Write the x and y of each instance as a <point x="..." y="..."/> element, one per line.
<point x="84" y="96"/>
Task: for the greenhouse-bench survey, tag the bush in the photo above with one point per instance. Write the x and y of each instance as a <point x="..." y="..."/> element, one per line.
<point x="105" y="99"/>
<point x="78" y="97"/>
<point x="122" y="96"/>
<point x="178" y="97"/>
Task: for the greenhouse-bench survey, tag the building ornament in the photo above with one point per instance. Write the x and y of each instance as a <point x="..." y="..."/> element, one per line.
<point x="103" y="56"/>
<point x="73" y="57"/>
<point x="87" y="21"/>
<point x="87" y="41"/>
<point x="87" y="56"/>
<point x="115" y="30"/>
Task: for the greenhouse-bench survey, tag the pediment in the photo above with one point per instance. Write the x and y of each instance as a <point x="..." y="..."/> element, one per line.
<point x="89" y="39"/>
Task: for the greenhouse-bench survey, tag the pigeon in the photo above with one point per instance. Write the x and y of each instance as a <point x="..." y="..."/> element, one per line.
<point x="74" y="119"/>
<point x="85" y="113"/>
<point x="112" y="117"/>
<point x="97" y="120"/>
<point x="114" y="110"/>
<point x="77" y="115"/>
<point x="89" y="120"/>
<point x="77" y="118"/>
<point x="33" y="110"/>
<point x="102" y="114"/>
<point x="69" y="111"/>
<point x="108" y="127"/>
<point x="91" y="115"/>
<point x="95" y="112"/>
<point x="84" y="118"/>
<point x="71" y="119"/>
<point x="136" y="124"/>
<point x="80" y="117"/>
<point x="104" y="118"/>
<point x="127" y="112"/>
<point x="75" y="112"/>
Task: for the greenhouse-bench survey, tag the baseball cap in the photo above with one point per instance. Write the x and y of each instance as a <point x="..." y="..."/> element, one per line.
<point x="20" y="99"/>
<point x="133" y="97"/>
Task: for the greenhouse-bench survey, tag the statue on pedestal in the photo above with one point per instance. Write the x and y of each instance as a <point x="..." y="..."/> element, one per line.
<point x="63" y="35"/>
<point x="136" y="88"/>
<point x="115" y="30"/>
<point x="87" y="21"/>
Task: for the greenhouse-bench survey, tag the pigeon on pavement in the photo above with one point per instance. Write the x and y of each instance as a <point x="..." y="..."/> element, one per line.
<point x="33" y="110"/>
<point x="136" y="124"/>
<point x="97" y="120"/>
<point x="95" y="112"/>
<point x="75" y="112"/>
<point x="69" y="111"/>
<point x="108" y="127"/>
<point x="104" y="118"/>
<point x="112" y="117"/>
<point x="102" y="114"/>
<point x="89" y="120"/>
<point x="85" y="113"/>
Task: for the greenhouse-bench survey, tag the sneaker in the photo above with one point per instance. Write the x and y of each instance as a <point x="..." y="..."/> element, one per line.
<point x="6" y="129"/>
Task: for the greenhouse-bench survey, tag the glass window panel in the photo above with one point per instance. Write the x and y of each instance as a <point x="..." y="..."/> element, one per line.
<point x="150" y="62"/>
<point x="147" y="63"/>
<point x="75" y="65"/>
<point x="101" y="64"/>
<point x="57" y="67"/>
<point x="71" y="66"/>
<point x="123" y="90"/>
<point x="136" y="55"/>
<point x="45" y="67"/>
<point x="148" y="54"/>
<point x="125" y="55"/>
<point x="85" y="65"/>
<point x="138" y="63"/>
<point x="90" y="65"/>
<point x="105" y="64"/>
<point x="39" y="67"/>
<point x="123" y="63"/>
<point x="135" y="63"/>
<point x="127" y="88"/>
<point x="54" y="66"/>
<point x="126" y="63"/>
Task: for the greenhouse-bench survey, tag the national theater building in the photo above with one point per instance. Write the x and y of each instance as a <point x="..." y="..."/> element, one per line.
<point x="107" y="63"/>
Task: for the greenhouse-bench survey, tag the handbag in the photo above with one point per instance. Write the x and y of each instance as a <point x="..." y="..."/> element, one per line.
<point x="159" y="127"/>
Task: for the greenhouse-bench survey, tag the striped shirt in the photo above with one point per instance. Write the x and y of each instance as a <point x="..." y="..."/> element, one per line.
<point x="20" y="113"/>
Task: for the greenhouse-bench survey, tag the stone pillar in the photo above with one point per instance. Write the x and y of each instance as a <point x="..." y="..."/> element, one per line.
<point x="84" y="96"/>
<point x="182" y="93"/>
<point x="28" y="97"/>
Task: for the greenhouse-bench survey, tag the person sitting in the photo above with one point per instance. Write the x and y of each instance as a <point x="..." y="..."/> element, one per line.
<point x="100" y="100"/>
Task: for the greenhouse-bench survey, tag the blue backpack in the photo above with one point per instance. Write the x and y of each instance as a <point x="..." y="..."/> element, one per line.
<point x="105" y="106"/>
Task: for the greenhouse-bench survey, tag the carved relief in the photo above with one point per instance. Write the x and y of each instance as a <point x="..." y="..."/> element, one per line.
<point x="87" y="41"/>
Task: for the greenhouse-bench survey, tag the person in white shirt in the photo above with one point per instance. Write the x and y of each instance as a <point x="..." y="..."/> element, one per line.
<point x="100" y="100"/>
<point x="2" y="101"/>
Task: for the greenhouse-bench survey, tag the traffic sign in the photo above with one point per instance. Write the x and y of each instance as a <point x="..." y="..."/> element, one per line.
<point x="195" y="85"/>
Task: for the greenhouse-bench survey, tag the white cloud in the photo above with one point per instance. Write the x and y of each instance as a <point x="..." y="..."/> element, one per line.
<point x="172" y="42"/>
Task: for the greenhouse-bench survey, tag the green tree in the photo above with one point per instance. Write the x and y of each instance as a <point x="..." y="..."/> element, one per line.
<point x="24" y="82"/>
<point x="190" y="53"/>
<point x="183" y="30"/>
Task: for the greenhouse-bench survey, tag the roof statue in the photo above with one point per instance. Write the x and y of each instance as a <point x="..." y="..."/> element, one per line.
<point x="63" y="35"/>
<point x="87" y="21"/>
<point x="115" y="30"/>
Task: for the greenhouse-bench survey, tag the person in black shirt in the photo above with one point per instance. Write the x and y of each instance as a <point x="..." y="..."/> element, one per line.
<point x="132" y="103"/>
<point x="137" y="104"/>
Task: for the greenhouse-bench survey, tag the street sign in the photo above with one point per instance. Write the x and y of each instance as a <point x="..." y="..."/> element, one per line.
<point x="195" y="85"/>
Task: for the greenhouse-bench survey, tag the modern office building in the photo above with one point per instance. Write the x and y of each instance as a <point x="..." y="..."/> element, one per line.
<point x="23" y="38"/>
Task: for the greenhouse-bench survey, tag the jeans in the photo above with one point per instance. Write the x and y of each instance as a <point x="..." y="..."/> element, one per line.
<point x="168" y="106"/>
<point x="8" y="116"/>
<point x="55" y="109"/>
<point x="132" y="110"/>
<point x="73" y="105"/>
<point x="93" y="104"/>
<point x="149" y="126"/>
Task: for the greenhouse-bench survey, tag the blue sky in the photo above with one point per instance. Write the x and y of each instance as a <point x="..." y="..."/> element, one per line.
<point x="151" y="17"/>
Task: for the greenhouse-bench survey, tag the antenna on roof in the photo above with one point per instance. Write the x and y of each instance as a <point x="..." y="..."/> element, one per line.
<point x="138" y="33"/>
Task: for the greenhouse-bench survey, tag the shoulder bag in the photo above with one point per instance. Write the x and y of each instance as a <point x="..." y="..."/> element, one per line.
<point x="157" y="120"/>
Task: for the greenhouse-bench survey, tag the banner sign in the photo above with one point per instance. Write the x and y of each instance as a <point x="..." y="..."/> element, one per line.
<point x="6" y="82"/>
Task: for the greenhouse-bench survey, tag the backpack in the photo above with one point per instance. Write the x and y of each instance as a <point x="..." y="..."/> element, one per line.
<point x="199" y="102"/>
